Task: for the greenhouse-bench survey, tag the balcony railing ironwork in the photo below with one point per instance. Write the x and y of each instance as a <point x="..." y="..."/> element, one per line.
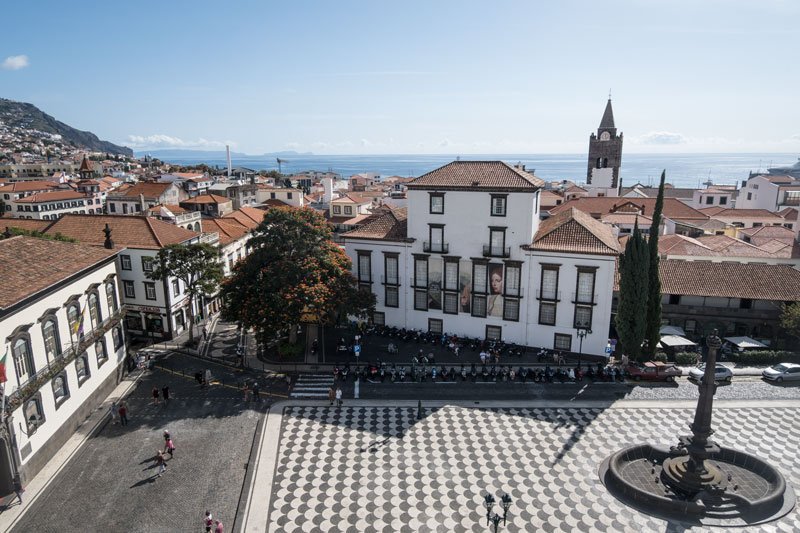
<point x="435" y="247"/>
<point x="548" y="296"/>
<point x="496" y="251"/>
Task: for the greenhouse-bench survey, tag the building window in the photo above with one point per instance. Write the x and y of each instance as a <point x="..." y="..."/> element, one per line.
<point x="129" y="288"/>
<point x="391" y="296"/>
<point x="180" y="324"/>
<point x="584" y="292"/>
<point x="435" y="325"/>
<point x="511" y="309"/>
<point x="436" y="203"/>
<point x="690" y="326"/>
<point x="364" y="267"/>
<point x="497" y="243"/>
<point x="745" y="303"/>
<point x="709" y="200"/>
<point x="749" y="196"/>
<point x="348" y="210"/>
<point x="147" y="264"/>
<point x="288" y="196"/>
<point x="149" y="290"/>
<point x="100" y="352"/>
<point x="73" y="318"/>
<point x="378" y="318"/>
<point x="494" y="333"/>
<point x="421" y="299"/>
<point x="272" y="196"/>
<point x="52" y="344"/>
<point x="23" y="358"/>
<point x="479" y="273"/>
<point x="391" y="269"/>
<point x="548" y="285"/>
<point x="421" y="272"/>
<point x="479" y="305"/>
<point x="111" y="297"/>
<point x="547" y="313"/>
<point x="674" y="299"/>
<point x="60" y="389"/>
<point x="450" y="275"/>
<point x="498" y="205"/>
<point x="723" y="200"/>
<point x="176" y="287"/>
<point x="451" y="303"/>
<point x="337" y="210"/>
<point x="125" y="262"/>
<point x="513" y="280"/>
<point x="562" y="342"/>
<point x="116" y="335"/>
<point x="436" y="242"/>
<point x="583" y="317"/>
<point x="82" y="368"/>
<point x="94" y="309"/>
<point x="34" y="414"/>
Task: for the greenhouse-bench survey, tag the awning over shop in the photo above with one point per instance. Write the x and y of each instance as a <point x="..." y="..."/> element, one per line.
<point x="676" y="340"/>
<point x="745" y="343"/>
<point x="672" y="330"/>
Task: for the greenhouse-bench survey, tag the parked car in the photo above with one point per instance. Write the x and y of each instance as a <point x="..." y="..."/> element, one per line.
<point x="782" y="372"/>
<point x="721" y="373"/>
<point x="653" y="371"/>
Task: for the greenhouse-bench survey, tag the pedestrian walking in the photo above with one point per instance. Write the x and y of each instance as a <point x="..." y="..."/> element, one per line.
<point x="218" y="529"/>
<point x="331" y="395"/>
<point x="112" y="409"/>
<point x="18" y="490"/>
<point x="339" y="401"/>
<point x="155" y="395"/>
<point x="161" y="462"/>
<point x="208" y="377"/>
<point x="169" y="446"/>
<point x="208" y="521"/>
<point x="205" y="333"/>
<point x="256" y="392"/>
<point x="246" y="390"/>
<point x="165" y="394"/>
<point x="123" y="413"/>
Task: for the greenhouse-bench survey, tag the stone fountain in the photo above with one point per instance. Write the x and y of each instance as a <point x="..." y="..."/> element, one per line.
<point x="698" y="481"/>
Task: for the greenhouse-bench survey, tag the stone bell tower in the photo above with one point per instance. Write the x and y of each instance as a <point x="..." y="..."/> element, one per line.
<point x="605" y="155"/>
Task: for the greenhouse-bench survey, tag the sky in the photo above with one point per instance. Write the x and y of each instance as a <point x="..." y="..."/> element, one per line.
<point x="412" y="77"/>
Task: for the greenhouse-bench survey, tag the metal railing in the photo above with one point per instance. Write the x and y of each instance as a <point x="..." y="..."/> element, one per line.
<point x="550" y="296"/>
<point x="496" y="251"/>
<point x="436" y="247"/>
<point x="590" y="299"/>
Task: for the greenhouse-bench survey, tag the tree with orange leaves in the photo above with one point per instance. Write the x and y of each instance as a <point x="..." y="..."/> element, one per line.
<point x="294" y="272"/>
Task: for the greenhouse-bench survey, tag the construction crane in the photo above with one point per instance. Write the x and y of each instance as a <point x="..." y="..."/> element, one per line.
<point x="281" y="161"/>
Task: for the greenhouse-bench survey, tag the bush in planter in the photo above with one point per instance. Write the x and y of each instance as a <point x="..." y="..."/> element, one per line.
<point x="660" y="356"/>
<point x="686" y="358"/>
<point x="289" y="350"/>
<point x="761" y="357"/>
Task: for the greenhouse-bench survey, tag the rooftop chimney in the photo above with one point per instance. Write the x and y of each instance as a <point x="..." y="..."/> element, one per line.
<point x="108" y="243"/>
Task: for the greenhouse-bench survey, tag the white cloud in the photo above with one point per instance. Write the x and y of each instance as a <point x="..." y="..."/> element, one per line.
<point x="160" y="140"/>
<point x="365" y="143"/>
<point x="796" y="137"/>
<point x="662" y="137"/>
<point x="444" y="143"/>
<point x="15" y="62"/>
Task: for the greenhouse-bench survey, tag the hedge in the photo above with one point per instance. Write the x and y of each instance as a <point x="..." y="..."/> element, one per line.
<point x="762" y="357"/>
<point x="687" y="358"/>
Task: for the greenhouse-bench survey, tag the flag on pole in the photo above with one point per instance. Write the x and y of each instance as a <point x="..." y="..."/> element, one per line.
<point x="3" y="377"/>
<point x="79" y="324"/>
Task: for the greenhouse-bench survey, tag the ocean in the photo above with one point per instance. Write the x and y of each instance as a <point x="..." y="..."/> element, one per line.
<point x="683" y="170"/>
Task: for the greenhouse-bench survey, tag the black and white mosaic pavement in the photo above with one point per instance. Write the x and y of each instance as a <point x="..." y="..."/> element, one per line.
<point x="377" y="469"/>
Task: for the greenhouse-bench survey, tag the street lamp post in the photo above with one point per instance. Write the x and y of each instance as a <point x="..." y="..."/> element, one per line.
<point x="582" y="332"/>
<point x="495" y="519"/>
<point x="505" y="501"/>
<point x="488" y="502"/>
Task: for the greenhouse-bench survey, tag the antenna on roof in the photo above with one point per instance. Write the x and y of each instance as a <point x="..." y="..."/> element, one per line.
<point x="458" y="158"/>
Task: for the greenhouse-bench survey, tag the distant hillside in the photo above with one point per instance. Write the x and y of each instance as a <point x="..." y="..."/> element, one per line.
<point x="177" y="153"/>
<point x="29" y="117"/>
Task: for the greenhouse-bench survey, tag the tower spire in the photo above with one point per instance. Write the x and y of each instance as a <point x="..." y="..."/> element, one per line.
<point x="608" y="116"/>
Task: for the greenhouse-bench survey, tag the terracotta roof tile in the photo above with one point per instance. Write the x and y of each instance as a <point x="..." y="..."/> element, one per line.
<point x="27" y="186"/>
<point x="249" y="217"/>
<point x="51" y="196"/>
<point x="207" y="199"/>
<point x="28" y="224"/>
<point x="31" y="265"/>
<point x="788" y="213"/>
<point x="574" y="231"/>
<point x="129" y="231"/>
<point x="672" y="208"/>
<point x="149" y="190"/>
<point x="486" y="175"/>
<point x="229" y="230"/>
<point x="730" y="280"/>
<point x="740" y="213"/>
<point x="393" y="226"/>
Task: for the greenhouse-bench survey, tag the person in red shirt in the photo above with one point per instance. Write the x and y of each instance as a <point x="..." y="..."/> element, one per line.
<point x="218" y="529"/>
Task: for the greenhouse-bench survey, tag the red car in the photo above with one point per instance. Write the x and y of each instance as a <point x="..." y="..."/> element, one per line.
<point x="654" y="371"/>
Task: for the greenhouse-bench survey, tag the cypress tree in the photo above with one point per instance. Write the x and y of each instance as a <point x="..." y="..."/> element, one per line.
<point x="653" y="335"/>
<point x="631" y="318"/>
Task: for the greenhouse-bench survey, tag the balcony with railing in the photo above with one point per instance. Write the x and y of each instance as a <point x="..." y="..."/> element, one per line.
<point x="209" y="238"/>
<point x="435" y="247"/>
<point x="548" y="296"/>
<point x="35" y="382"/>
<point x="496" y="251"/>
<point x="394" y="281"/>
<point x="517" y="292"/>
<point x="412" y="282"/>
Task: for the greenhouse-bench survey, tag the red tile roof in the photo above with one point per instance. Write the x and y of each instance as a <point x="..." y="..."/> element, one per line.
<point x="248" y="217"/>
<point x="207" y="199"/>
<point x="149" y="190"/>
<point x="52" y="196"/>
<point x="741" y="213"/>
<point x="477" y="175"/>
<point x="129" y="231"/>
<point x="229" y="230"/>
<point x="673" y="208"/>
<point x="28" y="186"/>
<point x="32" y="264"/>
<point x="392" y="226"/>
<point x="573" y="231"/>
<point x="28" y="224"/>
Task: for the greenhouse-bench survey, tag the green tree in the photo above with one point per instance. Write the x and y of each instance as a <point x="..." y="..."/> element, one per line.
<point x="633" y="281"/>
<point x="196" y="265"/>
<point x="653" y="335"/>
<point x="294" y="273"/>
<point x="790" y="319"/>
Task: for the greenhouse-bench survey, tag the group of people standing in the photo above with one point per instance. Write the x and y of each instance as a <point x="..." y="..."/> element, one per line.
<point x="335" y="395"/>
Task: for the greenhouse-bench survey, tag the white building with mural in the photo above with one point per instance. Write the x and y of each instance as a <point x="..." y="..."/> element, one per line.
<point x="469" y="256"/>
